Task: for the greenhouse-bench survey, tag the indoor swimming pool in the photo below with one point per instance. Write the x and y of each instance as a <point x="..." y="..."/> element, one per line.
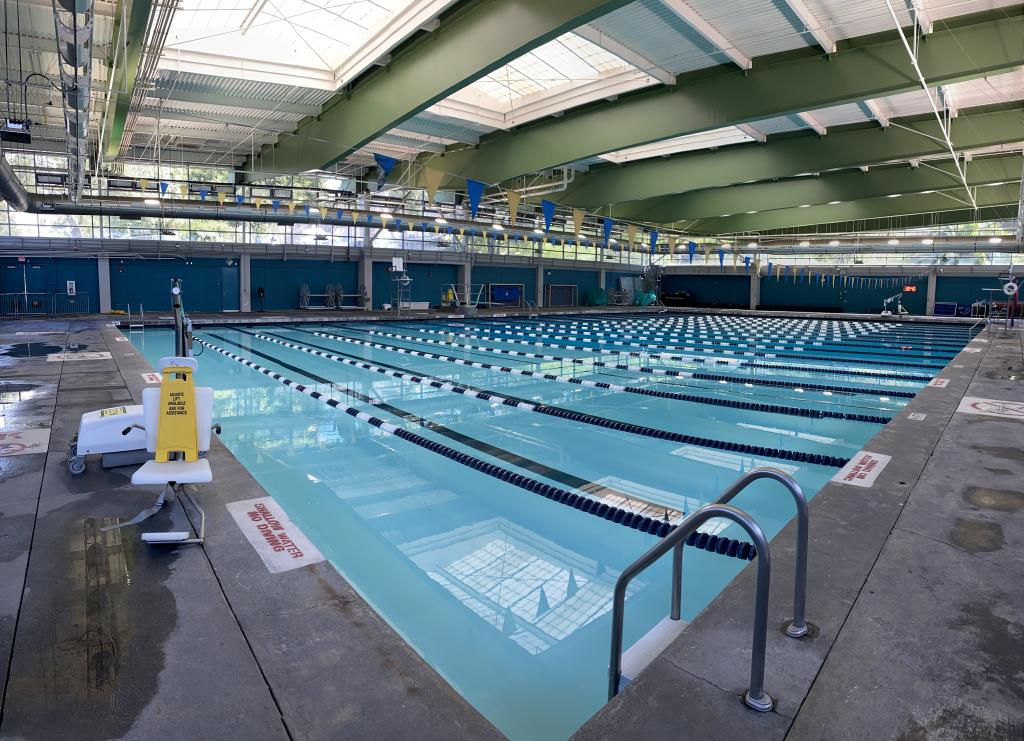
<point x="482" y="483"/>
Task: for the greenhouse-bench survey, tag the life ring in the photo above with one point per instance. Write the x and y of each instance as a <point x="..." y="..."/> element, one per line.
<point x="1010" y="288"/>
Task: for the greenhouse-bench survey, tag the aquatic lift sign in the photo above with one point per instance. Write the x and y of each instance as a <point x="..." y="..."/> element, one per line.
<point x="863" y="469"/>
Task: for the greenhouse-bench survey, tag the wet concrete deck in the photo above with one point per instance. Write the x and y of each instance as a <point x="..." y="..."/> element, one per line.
<point x="914" y="594"/>
<point x="104" y="637"/>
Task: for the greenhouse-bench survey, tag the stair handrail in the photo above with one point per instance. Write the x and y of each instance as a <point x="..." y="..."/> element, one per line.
<point x="755" y="696"/>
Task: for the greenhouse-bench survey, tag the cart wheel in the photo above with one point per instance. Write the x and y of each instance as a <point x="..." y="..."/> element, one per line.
<point x="76" y="465"/>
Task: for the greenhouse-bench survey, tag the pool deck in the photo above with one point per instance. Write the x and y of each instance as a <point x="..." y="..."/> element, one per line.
<point x="914" y="594"/>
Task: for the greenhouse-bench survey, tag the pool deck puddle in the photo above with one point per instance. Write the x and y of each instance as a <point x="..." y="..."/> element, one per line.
<point x="102" y="636"/>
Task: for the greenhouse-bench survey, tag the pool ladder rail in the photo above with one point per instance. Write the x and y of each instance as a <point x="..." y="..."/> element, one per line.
<point x="140" y="324"/>
<point x="532" y="310"/>
<point x="755" y="696"/>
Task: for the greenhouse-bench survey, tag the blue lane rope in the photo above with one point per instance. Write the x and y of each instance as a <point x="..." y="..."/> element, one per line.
<point x="727" y="403"/>
<point x="574" y="416"/>
<point x="647" y="369"/>
<point x="660" y="528"/>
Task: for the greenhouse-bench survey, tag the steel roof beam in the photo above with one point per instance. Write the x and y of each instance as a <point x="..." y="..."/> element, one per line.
<point x="840" y="187"/>
<point x="809" y="219"/>
<point x="812" y="25"/>
<point x="268" y="106"/>
<point x="859" y="71"/>
<point x="127" y="70"/>
<point x="709" y="32"/>
<point x="598" y="37"/>
<point x="783" y="157"/>
<point x="476" y="38"/>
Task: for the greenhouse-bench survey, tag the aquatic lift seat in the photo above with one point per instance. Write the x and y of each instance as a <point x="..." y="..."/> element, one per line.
<point x="177" y="419"/>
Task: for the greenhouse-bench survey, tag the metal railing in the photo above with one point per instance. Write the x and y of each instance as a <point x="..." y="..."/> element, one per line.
<point x="26" y="304"/>
<point x="531" y="308"/>
<point x="755" y="697"/>
<point x="70" y="303"/>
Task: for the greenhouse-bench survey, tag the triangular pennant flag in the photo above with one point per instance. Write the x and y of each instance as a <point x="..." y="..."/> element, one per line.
<point x="276" y="204"/>
<point x="143" y="184"/>
<point x="385" y="165"/>
<point x="692" y="247"/>
<point x="672" y="241"/>
<point x="163" y="188"/>
<point x="572" y="587"/>
<point x="291" y="207"/>
<point x="433" y="179"/>
<point x="542" y="603"/>
<point x="183" y="189"/>
<point x="239" y="199"/>
<point x="203" y="192"/>
<point x="514" y="197"/>
<point x="608" y="224"/>
<point x="707" y="252"/>
<point x="630" y="235"/>
<point x="746" y="264"/>
<point x="475" y="190"/>
<point x="721" y="258"/>
<point x="577" y="221"/>
<point x="735" y="257"/>
<point x="548" y="207"/>
<point x="221" y="197"/>
<point x="384" y="220"/>
<point x="340" y="213"/>
<point x="769" y="269"/>
<point x="654" y="242"/>
<point x="259" y="202"/>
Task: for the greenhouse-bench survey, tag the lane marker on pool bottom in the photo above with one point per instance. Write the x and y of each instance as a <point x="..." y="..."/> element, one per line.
<point x="661" y="528"/>
<point x="280" y="543"/>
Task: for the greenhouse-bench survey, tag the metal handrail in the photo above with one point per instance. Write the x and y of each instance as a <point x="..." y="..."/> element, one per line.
<point x="531" y="312"/>
<point x="798" y="627"/>
<point x="755" y="696"/>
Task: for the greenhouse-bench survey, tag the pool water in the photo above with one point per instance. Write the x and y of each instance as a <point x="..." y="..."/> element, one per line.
<point x="505" y="592"/>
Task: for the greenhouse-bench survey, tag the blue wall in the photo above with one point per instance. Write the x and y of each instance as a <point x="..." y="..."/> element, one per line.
<point x="711" y="290"/>
<point x="965" y="290"/>
<point x="281" y="280"/>
<point x="582" y="279"/>
<point x="501" y="274"/>
<point x="50" y="275"/>
<point x="784" y="293"/>
<point x="149" y="282"/>
<point x="428" y="282"/>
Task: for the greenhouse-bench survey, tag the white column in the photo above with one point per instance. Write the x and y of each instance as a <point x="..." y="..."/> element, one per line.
<point x="602" y="274"/>
<point x="755" y="288"/>
<point x="929" y="302"/>
<point x="540" y="286"/>
<point x="464" y="279"/>
<point x="366" y="277"/>
<point x="103" y="273"/>
<point x="244" y="284"/>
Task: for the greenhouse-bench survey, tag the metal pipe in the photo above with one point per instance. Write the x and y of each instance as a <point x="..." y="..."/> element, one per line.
<point x="677" y="582"/>
<point x="755" y="697"/>
<point x="798" y="627"/>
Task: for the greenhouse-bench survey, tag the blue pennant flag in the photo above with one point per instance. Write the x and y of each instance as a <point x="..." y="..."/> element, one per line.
<point x="306" y="208"/>
<point x="340" y="214"/>
<point x="475" y="189"/>
<point x="692" y="247"/>
<point x="239" y="199"/>
<point x="746" y="264"/>
<point x="548" y="207"/>
<point x="654" y="242"/>
<point x="800" y="276"/>
<point x="275" y="204"/>
<point x="721" y="258"/>
<point x="385" y="165"/>
<point x="769" y="270"/>
<point x="163" y="188"/>
<point x="203" y="192"/>
<point x="609" y="223"/>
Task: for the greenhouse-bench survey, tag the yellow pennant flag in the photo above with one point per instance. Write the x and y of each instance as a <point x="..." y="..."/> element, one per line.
<point x="513" y="204"/>
<point x="143" y="184"/>
<point x="184" y="189"/>
<point x="707" y="252"/>
<point x="291" y="207"/>
<point x="735" y="257"/>
<point x="259" y="202"/>
<point x="221" y="197"/>
<point x="462" y="231"/>
<point x="672" y="245"/>
<point x="433" y="179"/>
<point x="778" y="272"/>
<point x="630" y="235"/>
<point x="384" y="220"/>
<point x="577" y="221"/>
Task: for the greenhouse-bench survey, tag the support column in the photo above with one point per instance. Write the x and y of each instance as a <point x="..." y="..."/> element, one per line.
<point x="103" y="274"/>
<point x="366" y="278"/>
<point x="464" y="279"/>
<point x="602" y="275"/>
<point x="244" y="284"/>
<point x="755" y="288"/>
<point x="929" y="302"/>
<point x="540" y="286"/>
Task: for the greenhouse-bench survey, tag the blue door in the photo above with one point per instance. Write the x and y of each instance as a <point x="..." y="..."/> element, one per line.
<point x="229" y="288"/>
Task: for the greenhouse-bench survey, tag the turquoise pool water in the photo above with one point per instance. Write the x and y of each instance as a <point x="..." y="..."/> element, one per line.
<point x="507" y="593"/>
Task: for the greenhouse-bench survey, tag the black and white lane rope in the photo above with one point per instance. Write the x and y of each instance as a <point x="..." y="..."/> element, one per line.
<point x="692" y="398"/>
<point x="660" y="528"/>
